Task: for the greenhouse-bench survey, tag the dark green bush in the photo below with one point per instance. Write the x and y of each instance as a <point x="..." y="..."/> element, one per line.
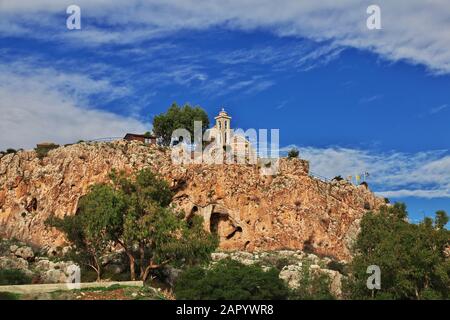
<point x="13" y="277"/>
<point x="293" y="153"/>
<point x="228" y="280"/>
<point x="9" y="296"/>
<point x="43" y="149"/>
<point x="337" y="266"/>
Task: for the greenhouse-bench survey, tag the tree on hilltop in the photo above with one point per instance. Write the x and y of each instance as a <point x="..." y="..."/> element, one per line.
<point x="177" y="117"/>
<point x="293" y="153"/>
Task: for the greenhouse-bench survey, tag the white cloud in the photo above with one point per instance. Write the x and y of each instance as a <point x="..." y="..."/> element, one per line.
<point x="394" y="174"/>
<point x="45" y="105"/>
<point x="420" y="193"/>
<point x="416" y="30"/>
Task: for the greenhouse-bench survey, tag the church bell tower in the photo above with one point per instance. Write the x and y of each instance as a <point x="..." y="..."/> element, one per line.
<point x="223" y="121"/>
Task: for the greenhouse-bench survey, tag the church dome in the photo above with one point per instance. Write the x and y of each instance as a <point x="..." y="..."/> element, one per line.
<point x="223" y="112"/>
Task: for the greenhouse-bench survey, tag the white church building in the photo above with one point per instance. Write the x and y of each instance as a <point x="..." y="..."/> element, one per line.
<point x="232" y="141"/>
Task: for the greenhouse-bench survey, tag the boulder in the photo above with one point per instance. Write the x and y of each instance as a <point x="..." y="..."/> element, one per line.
<point x="24" y="253"/>
<point x="217" y="256"/>
<point x="53" y="276"/>
<point x="53" y="272"/>
<point x="13" y="262"/>
<point x="291" y="275"/>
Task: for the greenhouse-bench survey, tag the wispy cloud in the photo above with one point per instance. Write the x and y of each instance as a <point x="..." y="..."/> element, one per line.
<point x="303" y="56"/>
<point x="282" y="104"/>
<point x="438" y="109"/>
<point x="395" y="174"/>
<point x="342" y="23"/>
<point x="370" y="99"/>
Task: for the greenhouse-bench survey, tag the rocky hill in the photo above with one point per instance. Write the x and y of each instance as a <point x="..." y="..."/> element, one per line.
<point x="248" y="211"/>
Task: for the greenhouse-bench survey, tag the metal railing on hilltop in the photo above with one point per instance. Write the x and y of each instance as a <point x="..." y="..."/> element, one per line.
<point x="318" y="176"/>
<point x="107" y="139"/>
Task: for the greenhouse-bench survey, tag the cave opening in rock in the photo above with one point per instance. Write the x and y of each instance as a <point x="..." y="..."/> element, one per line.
<point x="308" y="245"/>
<point x="222" y="225"/>
<point x="231" y="235"/>
<point x="191" y="214"/>
<point x="216" y="219"/>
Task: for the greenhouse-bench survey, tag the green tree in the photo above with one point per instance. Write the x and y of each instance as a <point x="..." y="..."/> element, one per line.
<point x="229" y="279"/>
<point x="95" y="225"/>
<point x="159" y="233"/>
<point x="441" y="219"/>
<point x="411" y="257"/>
<point x="177" y="117"/>
<point x="134" y="213"/>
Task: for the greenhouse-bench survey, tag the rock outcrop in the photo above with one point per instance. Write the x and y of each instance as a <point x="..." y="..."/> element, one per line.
<point x="247" y="210"/>
<point x="292" y="265"/>
<point x="39" y="269"/>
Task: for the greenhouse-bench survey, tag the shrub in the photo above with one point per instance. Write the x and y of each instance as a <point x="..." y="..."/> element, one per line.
<point x="229" y="279"/>
<point x="293" y="153"/>
<point x="337" y="266"/>
<point x="9" y="296"/>
<point x="43" y="149"/>
<point x="312" y="286"/>
<point x="338" y="178"/>
<point x="364" y="184"/>
<point x="11" y="150"/>
<point x="276" y="262"/>
<point x="13" y="277"/>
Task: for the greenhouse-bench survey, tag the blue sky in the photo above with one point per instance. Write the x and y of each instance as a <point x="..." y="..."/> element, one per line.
<point x="351" y="99"/>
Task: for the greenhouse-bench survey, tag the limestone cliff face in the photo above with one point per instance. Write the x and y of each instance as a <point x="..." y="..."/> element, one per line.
<point x="248" y="211"/>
